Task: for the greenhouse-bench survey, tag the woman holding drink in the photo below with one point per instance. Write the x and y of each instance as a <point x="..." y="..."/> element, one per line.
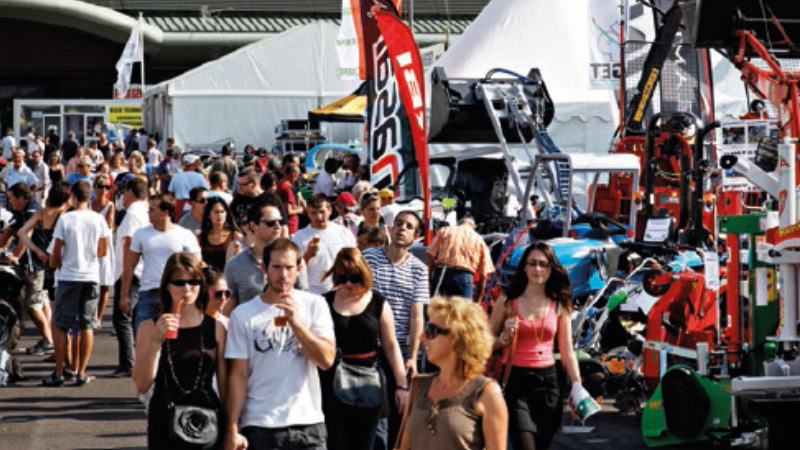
<point x="179" y="352"/>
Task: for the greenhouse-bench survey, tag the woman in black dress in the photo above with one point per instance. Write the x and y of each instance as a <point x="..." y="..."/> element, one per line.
<point x="360" y="317"/>
<point x="180" y="368"/>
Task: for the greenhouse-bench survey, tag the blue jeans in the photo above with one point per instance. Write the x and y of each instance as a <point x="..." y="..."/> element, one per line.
<point x="456" y="282"/>
<point x="146" y="308"/>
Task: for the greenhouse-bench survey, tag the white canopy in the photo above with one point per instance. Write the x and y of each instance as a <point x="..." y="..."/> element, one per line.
<point x="552" y="36"/>
<point x="244" y="95"/>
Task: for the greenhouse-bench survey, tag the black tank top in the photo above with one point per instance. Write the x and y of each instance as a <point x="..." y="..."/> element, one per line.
<point x="56" y="176"/>
<point x="358" y="334"/>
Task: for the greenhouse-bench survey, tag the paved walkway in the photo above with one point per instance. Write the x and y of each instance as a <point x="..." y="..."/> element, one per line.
<point x="106" y="414"/>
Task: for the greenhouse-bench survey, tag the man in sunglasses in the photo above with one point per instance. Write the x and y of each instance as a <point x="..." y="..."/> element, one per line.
<point x="84" y="172"/>
<point x="153" y="245"/>
<point x="193" y="220"/>
<point x="321" y="241"/>
<point x="248" y="193"/>
<point x="265" y="223"/>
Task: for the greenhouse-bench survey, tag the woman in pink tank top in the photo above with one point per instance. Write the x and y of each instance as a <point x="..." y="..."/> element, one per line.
<point x="537" y="307"/>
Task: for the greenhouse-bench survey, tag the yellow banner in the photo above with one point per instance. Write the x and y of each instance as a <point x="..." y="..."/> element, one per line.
<point x="125" y="115"/>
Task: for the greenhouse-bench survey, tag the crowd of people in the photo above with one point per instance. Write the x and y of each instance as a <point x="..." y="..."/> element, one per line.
<point x="249" y="315"/>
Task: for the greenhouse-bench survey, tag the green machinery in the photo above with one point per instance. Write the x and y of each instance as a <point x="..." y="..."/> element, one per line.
<point x="693" y="401"/>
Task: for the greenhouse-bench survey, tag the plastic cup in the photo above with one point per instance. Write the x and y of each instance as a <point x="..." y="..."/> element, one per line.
<point x="171" y="334"/>
<point x="280" y="321"/>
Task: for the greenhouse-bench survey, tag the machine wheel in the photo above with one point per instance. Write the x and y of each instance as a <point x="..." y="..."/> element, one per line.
<point x="649" y="285"/>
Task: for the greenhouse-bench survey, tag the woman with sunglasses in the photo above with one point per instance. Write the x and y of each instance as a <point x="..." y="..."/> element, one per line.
<point x="456" y="408"/>
<point x="219" y="235"/>
<point x="360" y="317"/>
<point x="180" y="351"/>
<point x="218" y="294"/>
<point x="103" y="206"/>
<point x="536" y="307"/>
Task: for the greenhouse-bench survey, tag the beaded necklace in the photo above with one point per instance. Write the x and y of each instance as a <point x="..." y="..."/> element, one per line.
<point x="199" y="367"/>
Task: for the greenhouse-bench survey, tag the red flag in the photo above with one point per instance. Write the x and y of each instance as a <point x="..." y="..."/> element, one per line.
<point x="407" y="63"/>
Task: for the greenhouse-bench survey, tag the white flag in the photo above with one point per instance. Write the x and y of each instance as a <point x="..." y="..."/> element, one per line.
<point x="347" y="43"/>
<point x="132" y="54"/>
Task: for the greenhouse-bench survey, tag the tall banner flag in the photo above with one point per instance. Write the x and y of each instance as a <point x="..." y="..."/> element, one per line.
<point x="347" y="42"/>
<point x="133" y="53"/>
<point x="406" y="67"/>
<point x="604" y="44"/>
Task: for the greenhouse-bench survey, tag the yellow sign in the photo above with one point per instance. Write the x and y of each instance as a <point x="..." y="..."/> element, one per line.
<point x="125" y="115"/>
<point x="648" y="88"/>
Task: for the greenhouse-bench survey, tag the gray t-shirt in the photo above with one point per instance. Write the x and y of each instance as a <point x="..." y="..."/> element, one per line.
<point x="246" y="280"/>
<point x="190" y="223"/>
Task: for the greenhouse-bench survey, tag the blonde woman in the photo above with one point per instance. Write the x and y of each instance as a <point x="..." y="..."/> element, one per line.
<point x="457" y="408"/>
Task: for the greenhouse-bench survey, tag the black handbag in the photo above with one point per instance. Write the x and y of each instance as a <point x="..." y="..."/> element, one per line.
<point x="190" y="424"/>
<point x="358" y="386"/>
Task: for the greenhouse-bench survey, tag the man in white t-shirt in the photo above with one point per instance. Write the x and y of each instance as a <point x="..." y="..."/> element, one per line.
<point x="276" y="343"/>
<point x="153" y="245"/>
<point x="79" y="240"/>
<point x="134" y="202"/>
<point x="320" y="242"/>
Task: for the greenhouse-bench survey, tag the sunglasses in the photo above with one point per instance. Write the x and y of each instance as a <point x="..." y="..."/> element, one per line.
<point x="191" y="282"/>
<point x="102" y="186"/>
<point x="431" y="331"/>
<point x="81" y="165"/>
<point x="201" y="201"/>
<point x="219" y="295"/>
<point x="354" y="278"/>
<point x="272" y="222"/>
<point x="537" y="263"/>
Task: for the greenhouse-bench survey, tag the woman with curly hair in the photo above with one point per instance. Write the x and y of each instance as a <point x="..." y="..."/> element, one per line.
<point x="456" y="408"/>
<point x="536" y="307"/>
<point x="219" y="234"/>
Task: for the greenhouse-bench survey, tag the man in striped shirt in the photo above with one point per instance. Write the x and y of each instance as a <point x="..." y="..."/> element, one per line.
<point x="403" y="280"/>
<point x="456" y="255"/>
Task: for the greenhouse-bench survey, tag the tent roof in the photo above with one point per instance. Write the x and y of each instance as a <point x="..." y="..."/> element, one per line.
<point x="550" y="35"/>
<point x="300" y="62"/>
<point x="347" y="109"/>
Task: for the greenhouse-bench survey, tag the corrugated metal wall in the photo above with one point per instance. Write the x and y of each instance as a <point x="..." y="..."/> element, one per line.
<point x="421" y="7"/>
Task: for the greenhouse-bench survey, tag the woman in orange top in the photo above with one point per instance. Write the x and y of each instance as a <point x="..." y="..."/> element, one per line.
<point x="539" y="298"/>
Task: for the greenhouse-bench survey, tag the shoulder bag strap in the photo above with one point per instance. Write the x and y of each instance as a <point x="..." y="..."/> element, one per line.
<point x="402" y="437"/>
<point x="512" y="346"/>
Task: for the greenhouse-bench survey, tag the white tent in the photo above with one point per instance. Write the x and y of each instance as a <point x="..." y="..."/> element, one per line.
<point x="244" y="95"/>
<point x="550" y="35"/>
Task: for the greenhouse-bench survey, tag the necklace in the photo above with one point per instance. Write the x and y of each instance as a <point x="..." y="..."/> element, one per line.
<point x="199" y="367"/>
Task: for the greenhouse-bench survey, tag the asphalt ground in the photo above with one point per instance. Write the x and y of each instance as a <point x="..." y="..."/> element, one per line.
<point x="106" y="414"/>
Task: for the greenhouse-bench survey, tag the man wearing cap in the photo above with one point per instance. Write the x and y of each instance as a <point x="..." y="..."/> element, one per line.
<point x="183" y="182"/>
<point x="262" y="160"/>
<point x="455" y="256"/>
<point x="346" y="207"/>
<point x="389" y="208"/>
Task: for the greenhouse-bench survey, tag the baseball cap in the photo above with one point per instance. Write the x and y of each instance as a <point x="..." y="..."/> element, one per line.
<point x="386" y="193"/>
<point x="346" y="199"/>
<point x="190" y="159"/>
